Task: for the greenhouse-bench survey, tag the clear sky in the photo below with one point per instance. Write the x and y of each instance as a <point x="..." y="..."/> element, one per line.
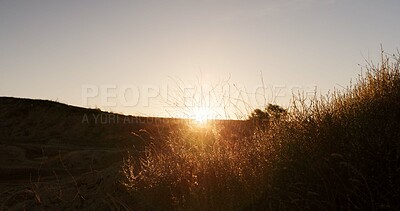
<point x="52" y="49"/>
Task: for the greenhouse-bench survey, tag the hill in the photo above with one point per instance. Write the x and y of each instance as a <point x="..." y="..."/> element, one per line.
<point x="54" y="155"/>
<point x="44" y="142"/>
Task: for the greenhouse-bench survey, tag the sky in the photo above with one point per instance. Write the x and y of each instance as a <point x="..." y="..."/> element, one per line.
<point x="150" y="57"/>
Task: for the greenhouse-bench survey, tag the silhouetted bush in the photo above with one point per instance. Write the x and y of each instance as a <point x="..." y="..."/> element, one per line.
<point x="264" y="117"/>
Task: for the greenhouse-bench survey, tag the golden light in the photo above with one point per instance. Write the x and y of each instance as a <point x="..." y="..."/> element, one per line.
<point x="202" y="115"/>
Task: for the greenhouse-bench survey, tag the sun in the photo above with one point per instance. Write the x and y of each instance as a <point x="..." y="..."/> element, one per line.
<point x="201" y="115"/>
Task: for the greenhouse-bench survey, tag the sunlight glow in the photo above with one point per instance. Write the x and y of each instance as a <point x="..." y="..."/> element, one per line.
<point x="202" y="115"/>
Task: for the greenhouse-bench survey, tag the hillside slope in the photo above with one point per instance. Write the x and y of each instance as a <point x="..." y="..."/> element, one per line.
<point x="46" y="144"/>
<point x="56" y="156"/>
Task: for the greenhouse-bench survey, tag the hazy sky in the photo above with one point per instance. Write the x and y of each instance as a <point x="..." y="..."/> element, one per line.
<point x="52" y="49"/>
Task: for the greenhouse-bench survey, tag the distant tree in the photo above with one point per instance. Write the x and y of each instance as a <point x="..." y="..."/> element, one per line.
<point x="275" y="111"/>
<point x="270" y="112"/>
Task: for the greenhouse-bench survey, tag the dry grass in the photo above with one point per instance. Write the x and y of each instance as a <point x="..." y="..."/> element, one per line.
<point x="335" y="152"/>
<point x="340" y="151"/>
<point x="197" y="168"/>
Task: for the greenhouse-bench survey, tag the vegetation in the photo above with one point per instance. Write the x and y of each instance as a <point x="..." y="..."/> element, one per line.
<point x="340" y="151"/>
<point x="335" y="152"/>
<point x="271" y="113"/>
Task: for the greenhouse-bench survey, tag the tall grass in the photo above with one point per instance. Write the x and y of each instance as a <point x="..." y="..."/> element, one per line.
<point x="341" y="151"/>
<point x="197" y="168"/>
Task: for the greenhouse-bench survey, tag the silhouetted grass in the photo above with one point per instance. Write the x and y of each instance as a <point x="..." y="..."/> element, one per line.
<point x="340" y="151"/>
